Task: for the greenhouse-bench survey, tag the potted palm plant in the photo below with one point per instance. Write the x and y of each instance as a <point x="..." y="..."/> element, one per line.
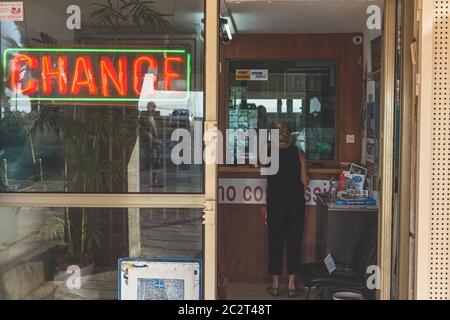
<point x="82" y="235"/>
<point x="88" y="138"/>
<point x="85" y="135"/>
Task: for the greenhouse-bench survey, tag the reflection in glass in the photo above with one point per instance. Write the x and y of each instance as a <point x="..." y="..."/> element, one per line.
<point x="38" y="245"/>
<point x="77" y="121"/>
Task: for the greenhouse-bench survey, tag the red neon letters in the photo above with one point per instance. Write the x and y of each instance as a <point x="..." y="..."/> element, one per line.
<point x="138" y="79"/>
<point x="60" y="74"/>
<point x="18" y="62"/>
<point x="84" y="76"/>
<point x="169" y="73"/>
<point x="119" y="79"/>
<point x="93" y="76"/>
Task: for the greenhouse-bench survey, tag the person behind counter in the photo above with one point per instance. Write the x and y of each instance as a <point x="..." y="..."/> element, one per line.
<point x="285" y="210"/>
<point x="150" y="144"/>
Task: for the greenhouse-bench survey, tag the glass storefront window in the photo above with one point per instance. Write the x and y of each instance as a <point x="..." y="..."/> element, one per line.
<point x="91" y="98"/>
<point x="37" y="245"/>
<point x="303" y="93"/>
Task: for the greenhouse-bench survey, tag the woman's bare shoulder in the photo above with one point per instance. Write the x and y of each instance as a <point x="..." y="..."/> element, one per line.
<point x="300" y="150"/>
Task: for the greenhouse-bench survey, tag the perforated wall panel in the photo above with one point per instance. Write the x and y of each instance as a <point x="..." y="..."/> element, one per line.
<point x="440" y="205"/>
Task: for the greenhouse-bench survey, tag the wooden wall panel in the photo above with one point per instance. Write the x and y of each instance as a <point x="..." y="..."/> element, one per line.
<point x="242" y="242"/>
<point x="242" y="239"/>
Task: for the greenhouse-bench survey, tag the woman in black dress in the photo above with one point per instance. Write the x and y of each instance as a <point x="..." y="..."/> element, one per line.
<point x="286" y="210"/>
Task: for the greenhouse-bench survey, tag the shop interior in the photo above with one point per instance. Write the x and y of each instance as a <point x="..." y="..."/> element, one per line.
<point x="317" y="66"/>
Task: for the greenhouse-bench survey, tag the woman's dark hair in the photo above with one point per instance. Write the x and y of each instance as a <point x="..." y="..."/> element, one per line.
<point x="285" y="133"/>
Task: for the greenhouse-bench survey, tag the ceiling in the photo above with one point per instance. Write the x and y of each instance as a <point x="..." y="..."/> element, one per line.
<point x="298" y="16"/>
<point x="249" y="16"/>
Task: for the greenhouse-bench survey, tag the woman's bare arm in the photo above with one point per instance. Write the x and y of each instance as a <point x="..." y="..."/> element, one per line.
<point x="304" y="169"/>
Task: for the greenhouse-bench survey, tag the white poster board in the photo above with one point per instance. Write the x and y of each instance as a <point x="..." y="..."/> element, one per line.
<point x="159" y="279"/>
<point x="11" y="11"/>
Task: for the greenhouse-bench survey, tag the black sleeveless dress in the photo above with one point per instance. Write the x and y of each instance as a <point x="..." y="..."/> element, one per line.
<point x="285" y="212"/>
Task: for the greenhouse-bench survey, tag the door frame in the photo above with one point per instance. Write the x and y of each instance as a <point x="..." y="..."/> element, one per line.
<point x="208" y="200"/>
<point x="408" y="143"/>
<point x="211" y="123"/>
<point x="387" y="150"/>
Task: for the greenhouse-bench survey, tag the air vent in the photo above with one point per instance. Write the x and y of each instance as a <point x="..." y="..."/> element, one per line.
<point x="440" y="205"/>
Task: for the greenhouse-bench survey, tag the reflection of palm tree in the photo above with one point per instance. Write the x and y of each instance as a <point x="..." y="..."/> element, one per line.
<point x="83" y="135"/>
<point x="132" y="12"/>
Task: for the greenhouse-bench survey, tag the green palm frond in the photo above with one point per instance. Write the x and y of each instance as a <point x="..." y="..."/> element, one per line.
<point x="53" y="230"/>
<point x="141" y="14"/>
<point x="137" y="12"/>
<point x="127" y="4"/>
<point x="106" y="15"/>
<point x="94" y="235"/>
<point x="13" y="119"/>
<point x="48" y="118"/>
<point x="45" y="38"/>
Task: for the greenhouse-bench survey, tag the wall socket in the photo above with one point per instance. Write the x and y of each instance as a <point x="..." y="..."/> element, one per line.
<point x="350" y="139"/>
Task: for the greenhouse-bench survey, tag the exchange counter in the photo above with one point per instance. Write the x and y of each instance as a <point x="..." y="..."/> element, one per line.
<point x="242" y="234"/>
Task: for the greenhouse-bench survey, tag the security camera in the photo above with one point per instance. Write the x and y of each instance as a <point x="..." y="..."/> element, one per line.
<point x="225" y="30"/>
<point x="357" y="40"/>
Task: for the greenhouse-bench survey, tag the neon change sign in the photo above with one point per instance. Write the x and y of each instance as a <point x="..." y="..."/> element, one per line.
<point x="96" y="75"/>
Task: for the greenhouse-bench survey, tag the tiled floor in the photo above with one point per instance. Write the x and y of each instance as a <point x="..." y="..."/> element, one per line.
<point x="171" y="233"/>
<point x="99" y="286"/>
<point x="103" y="286"/>
<point x="257" y="291"/>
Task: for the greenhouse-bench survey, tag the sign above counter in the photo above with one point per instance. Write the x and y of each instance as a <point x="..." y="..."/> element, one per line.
<point x="253" y="191"/>
<point x="252" y="75"/>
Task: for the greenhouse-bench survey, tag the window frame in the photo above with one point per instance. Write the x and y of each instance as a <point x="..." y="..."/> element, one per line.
<point x="205" y="200"/>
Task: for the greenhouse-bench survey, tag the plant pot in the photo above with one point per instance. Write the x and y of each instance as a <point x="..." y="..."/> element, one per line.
<point x="86" y="269"/>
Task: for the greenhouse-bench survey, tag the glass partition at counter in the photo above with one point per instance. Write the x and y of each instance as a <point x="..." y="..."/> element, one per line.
<point x="303" y="93"/>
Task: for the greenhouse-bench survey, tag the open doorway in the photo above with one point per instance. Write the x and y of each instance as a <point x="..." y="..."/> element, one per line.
<point x="316" y="66"/>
